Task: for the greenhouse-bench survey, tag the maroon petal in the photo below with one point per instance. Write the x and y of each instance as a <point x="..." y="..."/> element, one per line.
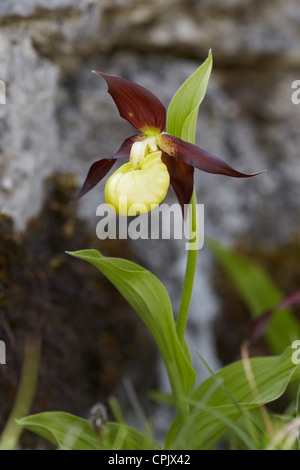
<point x="181" y="178"/>
<point x="100" y="168"/>
<point x="96" y="172"/>
<point x="138" y="106"/>
<point x="197" y="157"/>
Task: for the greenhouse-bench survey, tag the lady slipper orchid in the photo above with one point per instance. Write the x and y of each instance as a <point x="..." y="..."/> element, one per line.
<point x="155" y="157"/>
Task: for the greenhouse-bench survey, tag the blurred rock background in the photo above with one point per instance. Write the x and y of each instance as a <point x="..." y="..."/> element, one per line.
<point x="59" y="118"/>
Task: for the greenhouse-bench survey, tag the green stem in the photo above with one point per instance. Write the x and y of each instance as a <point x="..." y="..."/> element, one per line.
<point x="190" y="270"/>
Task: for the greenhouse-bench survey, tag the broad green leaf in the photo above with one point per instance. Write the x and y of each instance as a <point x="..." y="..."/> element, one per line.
<point x="148" y="297"/>
<point x="211" y="407"/>
<point x="64" y="430"/>
<point x="183" y="109"/>
<point x="120" y="436"/>
<point x="68" y="432"/>
<point x="260" y="294"/>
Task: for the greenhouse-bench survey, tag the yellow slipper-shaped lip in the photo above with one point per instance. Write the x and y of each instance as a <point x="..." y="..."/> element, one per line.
<point x="132" y="191"/>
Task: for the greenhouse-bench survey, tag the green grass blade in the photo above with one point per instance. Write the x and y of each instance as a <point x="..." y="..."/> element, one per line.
<point x="202" y="430"/>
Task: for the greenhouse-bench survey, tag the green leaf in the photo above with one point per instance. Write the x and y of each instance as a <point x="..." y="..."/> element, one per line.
<point x="260" y="294"/>
<point x="148" y="297"/>
<point x="64" y="430"/>
<point x="120" y="436"/>
<point x="183" y="109"/>
<point x="68" y="432"/>
<point x="211" y="407"/>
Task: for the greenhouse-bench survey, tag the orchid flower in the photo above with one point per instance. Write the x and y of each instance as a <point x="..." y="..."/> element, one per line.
<point x="156" y="159"/>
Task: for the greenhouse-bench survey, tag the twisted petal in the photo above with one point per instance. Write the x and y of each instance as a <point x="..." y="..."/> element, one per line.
<point x="181" y="178"/>
<point x="138" y="106"/>
<point x="197" y="157"/>
<point x="100" y="168"/>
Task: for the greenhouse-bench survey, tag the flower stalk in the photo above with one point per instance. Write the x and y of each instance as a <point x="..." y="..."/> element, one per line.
<point x="190" y="270"/>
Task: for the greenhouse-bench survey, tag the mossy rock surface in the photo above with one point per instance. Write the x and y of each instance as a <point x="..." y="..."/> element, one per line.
<point x="90" y="337"/>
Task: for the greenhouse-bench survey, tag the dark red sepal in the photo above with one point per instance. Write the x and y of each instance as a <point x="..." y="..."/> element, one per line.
<point x="197" y="157"/>
<point x="138" y="106"/>
<point x="181" y="178"/>
<point x="100" y="168"/>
